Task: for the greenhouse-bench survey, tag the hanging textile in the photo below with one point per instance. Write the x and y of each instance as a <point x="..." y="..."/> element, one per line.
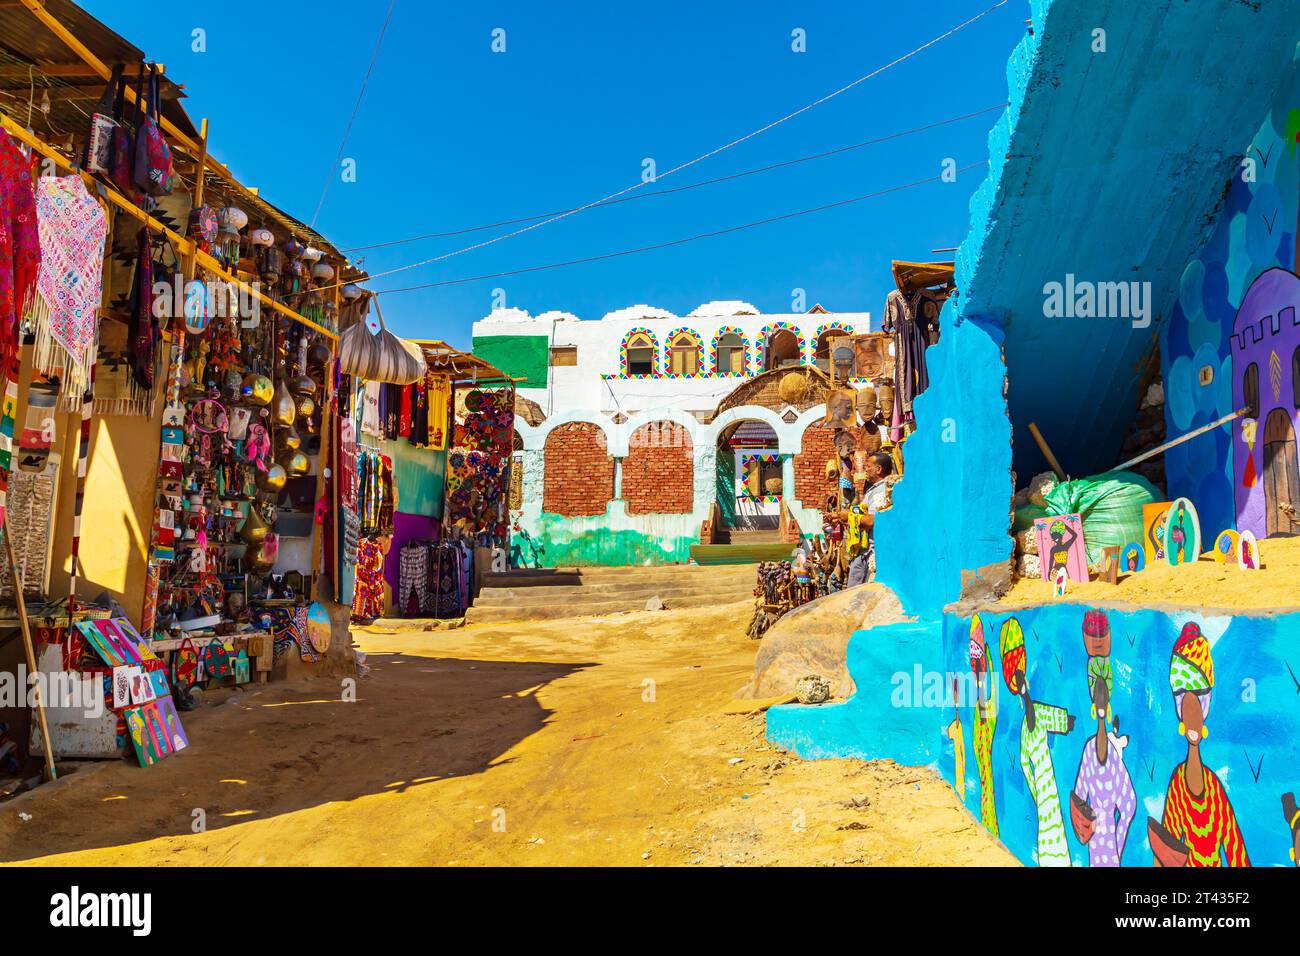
<point x="376" y="494"/>
<point x="73" y="231"/>
<point x="39" y="423"/>
<point x="30" y="527"/>
<point x="20" y="245"/>
<point x="414" y="595"/>
<point x="116" y="391"/>
<point x="370" y="420"/>
<point x="438" y="396"/>
<point x="83" y="458"/>
<point x="142" y="338"/>
<point x="368" y="602"/>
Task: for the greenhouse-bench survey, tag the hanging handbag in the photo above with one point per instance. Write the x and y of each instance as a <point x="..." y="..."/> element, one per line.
<point x="216" y="660"/>
<point x="122" y="159"/>
<point x="99" y="142"/>
<point x="186" y="666"/>
<point x="382" y="357"/>
<point x="153" y="157"/>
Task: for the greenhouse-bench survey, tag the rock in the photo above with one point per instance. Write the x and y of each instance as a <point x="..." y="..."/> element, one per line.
<point x="1155" y="395"/>
<point x="1029" y="566"/>
<point x="656" y="604"/>
<point x="860" y="800"/>
<point x="1027" y="541"/>
<point x="812" y="640"/>
<point x="735" y="760"/>
<point x="1039" y="486"/>
<point x="813" y="689"/>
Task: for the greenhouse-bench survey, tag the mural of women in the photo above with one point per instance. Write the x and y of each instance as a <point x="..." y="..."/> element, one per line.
<point x="986" y="722"/>
<point x="1199" y="823"/>
<point x="1035" y="757"/>
<point x="1103" y="802"/>
<point x="1291" y="813"/>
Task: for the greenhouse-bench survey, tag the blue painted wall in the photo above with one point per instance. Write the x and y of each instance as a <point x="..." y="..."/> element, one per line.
<point x="1255" y="231"/>
<point x="1095" y="170"/>
<point x="1254" y="719"/>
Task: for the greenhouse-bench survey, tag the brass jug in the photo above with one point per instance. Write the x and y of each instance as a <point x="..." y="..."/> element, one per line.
<point x="272" y="480"/>
<point x="254" y="527"/>
<point x="283" y="409"/>
<point x="304" y="386"/>
<point x="287" y="439"/>
<point x="295" y="463"/>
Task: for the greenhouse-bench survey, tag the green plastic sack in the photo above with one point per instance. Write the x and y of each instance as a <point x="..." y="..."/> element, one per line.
<point x="1110" y="505"/>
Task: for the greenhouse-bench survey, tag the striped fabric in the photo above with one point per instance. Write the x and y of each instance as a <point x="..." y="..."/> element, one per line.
<point x="83" y="457"/>
<point x="8" y="415"/>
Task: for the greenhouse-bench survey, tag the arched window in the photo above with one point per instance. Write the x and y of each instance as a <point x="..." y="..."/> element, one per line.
<point x="784" y="347"/>
<point x="640" y="353"/>
<point x="684" y="353"/>
<point x="1250" y="390"/>
<point x="729" y="354"/>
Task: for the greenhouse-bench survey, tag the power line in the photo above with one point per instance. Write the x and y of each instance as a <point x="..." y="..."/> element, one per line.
<point x="356" y="106"/>
<point x="679" y="189"/>
<point x="677" y="242"/>
<point x="698" y="159"/>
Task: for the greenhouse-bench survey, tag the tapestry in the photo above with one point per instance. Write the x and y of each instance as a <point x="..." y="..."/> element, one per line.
<point x="116" y="391"/>
<point x="73" y="230"/>
<point x="30" y="527"/>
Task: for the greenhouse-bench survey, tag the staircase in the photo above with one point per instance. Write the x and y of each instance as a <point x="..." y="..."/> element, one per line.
<point x="545" y="593"/>
<point x="739" y="546"/>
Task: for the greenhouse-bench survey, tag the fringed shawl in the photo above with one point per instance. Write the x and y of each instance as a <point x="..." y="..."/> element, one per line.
<point x="73" y="230"/>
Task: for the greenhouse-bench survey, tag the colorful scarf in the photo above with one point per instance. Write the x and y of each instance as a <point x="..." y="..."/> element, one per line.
<point x="1191" y="668"/>
<point x="73" y="231"/>
<point x="20" y="244"/>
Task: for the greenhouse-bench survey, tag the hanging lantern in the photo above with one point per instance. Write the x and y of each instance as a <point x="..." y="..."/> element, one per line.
<point x="287" y="439"/>
<point x="232" y="218"/>
<point x="318" y="354"/>
<point x="295" y="463"/>
<point x="312" y="255"/>
<point x="293" y="248"/>
<point x="257" y="390"/>
<point x="261" y="237"/>
<point x="351" y="291"/>
<point x="304" y="386"/>
<point x="283" y="408"/>
<point x="322" y="272"/>
<point x="306" y="408"/>
<point x="271" y="264"/>
<point x="254" y="528"/>
<point x="272" y="480"/>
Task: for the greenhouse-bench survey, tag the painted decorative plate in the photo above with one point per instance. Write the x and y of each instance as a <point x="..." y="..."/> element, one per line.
<point x="319" y="628"/>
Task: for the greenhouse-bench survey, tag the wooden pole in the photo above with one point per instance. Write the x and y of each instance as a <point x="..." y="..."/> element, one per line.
<point x="1173" y="442"/>
<point x="26" y="627"/>
<point x="1047" y="452"/>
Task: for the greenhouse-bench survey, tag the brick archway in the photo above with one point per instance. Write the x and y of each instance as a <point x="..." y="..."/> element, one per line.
<point x="659" y="470"/>
<point x="579" y="476"/>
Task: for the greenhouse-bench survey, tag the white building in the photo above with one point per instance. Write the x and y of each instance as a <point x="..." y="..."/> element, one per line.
<point x="642" y="357"/>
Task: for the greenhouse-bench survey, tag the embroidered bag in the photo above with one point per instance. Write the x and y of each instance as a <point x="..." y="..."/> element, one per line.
<point x="186" y="666"/>
<point x="99" y="143"/>
<point x="153" y="157"/>
<point x="216" y="660"/>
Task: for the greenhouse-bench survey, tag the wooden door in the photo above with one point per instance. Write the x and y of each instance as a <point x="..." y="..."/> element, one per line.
<point x="1281" y="473"/>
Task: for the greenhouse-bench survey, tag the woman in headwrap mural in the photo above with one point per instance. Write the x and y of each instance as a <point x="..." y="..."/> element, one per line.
<point x="1103" y="801"/>
<point x="986" y="722"/>
<point x="1035" y="757"/>
<point x="1291" y="813"/>
<point x="1199" y="822"/>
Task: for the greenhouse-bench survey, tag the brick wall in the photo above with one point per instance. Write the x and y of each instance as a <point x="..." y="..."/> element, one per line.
<point x="810" y="484"/>
<point x="659" y="470"/>
<point x="579" y="471"/>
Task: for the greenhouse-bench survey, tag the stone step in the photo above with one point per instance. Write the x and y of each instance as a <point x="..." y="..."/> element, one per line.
<point x="498" y="596"/>
<point x="583" y="577"/>
<point x="747" y="555"/>
<point x="479" y="614"/>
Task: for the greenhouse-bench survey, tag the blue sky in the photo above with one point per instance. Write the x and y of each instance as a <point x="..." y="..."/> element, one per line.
<point x="452" y="135"/>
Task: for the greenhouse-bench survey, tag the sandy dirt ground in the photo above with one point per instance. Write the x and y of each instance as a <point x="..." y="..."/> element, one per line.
<point x="593" y="742"/>
<point x="1207" y="583"/>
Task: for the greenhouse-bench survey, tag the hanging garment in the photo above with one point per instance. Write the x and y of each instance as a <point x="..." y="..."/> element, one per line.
<point x="370" y="420"/>
<point x="20" y="245"/>
<point x="419" y="435"/>
<point x="368" y="601"/>
<point x="143" y="326"/>
<point x="404" y="412"/>
<point x="31" y="503"/>
<point x="413" y="575"/>
<point x="73" y="231"/>
<point x="438" y="396"/>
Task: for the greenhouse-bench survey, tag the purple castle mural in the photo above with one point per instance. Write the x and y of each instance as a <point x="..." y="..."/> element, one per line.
<point x="1266" y="380"/>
